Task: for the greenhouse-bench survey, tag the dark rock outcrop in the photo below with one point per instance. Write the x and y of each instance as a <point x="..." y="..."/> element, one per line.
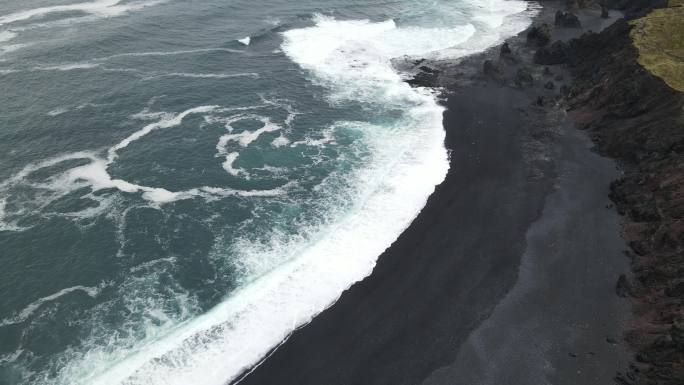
<point x="567" y="20"/>
<point x="539" y="35"/>
<point x="604" y="12"/>
<point x="427" y="77"/>
<point x="505" y="50"/>
<point x="523" y="77"/>
<point x="623" y="288"/>
<point x="556" y="53"/>
<point x="492" y="69"/>
<point x="634" y="117"/>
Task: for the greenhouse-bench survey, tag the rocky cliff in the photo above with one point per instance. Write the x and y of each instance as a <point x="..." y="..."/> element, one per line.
<point x="627" y="95"/>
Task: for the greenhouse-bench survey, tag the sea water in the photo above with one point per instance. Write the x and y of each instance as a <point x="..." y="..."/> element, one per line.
<point x="184" y="183"/>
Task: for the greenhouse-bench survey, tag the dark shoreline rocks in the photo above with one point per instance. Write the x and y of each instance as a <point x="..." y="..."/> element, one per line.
<point x="635" y="118"/>
<point x="567" y="20"/>
<point x="539" y="35"/>
<point x="554" y="54"/>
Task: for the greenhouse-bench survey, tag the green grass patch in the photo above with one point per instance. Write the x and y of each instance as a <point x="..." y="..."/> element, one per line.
<point x="659" y="37"/>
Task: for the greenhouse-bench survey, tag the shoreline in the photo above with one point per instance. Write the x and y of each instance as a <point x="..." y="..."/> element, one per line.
<point x="436" y="291"/>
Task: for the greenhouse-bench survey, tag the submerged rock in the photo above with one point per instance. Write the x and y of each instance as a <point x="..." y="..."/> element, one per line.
<point x="427" y="77"/>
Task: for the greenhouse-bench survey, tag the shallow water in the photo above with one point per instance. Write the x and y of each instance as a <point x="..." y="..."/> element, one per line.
<point x="184" y="183"/>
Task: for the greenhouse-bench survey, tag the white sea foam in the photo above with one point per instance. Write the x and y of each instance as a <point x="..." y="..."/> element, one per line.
<point x="25" y="313"/>
<point x="6" y="36"/>
<point x="167" y="53"/>
<point x="201" y="75"/>
<point x="153" y="263"/>
<point x="95" y="175"/>
<point x="244" y="138"/>
<point x="352" y="59"/>
<point x="245" y="41"/>
<point x="322" y="140"/>
<point x="280" y="141"/>
<point x="11" y="48"/>
<point x="68" y="67"/>
<point x="228" y="164"/>
<point x="100" y="8"/>
<point x="289" y="279"/>
<point x="93" y="9"/>
<point x="170" y="121"/>
<point x="58" y="111"/>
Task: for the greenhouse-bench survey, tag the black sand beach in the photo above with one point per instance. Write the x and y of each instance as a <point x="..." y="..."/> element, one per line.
<point x="506" y="276"/>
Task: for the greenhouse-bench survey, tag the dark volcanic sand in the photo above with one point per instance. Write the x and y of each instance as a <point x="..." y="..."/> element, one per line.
<point x="506" y="276"/>
<point x="553" y="326"/>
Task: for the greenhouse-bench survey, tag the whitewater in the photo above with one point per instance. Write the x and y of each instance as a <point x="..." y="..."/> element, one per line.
<point x="299" y="188"/>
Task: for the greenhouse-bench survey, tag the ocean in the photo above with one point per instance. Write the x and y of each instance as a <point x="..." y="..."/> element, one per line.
<point x="184" y="183"/>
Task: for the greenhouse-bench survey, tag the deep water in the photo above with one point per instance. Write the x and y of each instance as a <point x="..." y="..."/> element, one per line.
<point x="183" y="183"/>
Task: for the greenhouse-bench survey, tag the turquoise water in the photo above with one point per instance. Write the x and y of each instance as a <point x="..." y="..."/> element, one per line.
<point x="183" y="183"/>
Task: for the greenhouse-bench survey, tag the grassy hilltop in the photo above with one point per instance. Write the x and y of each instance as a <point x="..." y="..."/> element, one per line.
<point x="659" y="37"/>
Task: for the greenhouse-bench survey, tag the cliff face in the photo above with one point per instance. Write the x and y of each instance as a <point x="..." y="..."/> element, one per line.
<point x="637" y="118"/>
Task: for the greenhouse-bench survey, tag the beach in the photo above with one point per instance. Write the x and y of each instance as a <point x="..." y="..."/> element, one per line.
<point x="336" y="192"/>
<point x="508" y="273"/>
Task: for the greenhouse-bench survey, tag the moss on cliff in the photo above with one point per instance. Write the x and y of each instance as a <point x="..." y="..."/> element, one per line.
<point x="659" y="37"/>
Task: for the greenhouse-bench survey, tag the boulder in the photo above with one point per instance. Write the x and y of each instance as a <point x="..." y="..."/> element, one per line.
<point x="505" y="50"/>
<point x="539" y="35"/>
<point x="523" y="77"/>
<point x="623" y="288"/>
<point x="554" y="54"/>
<point x="567" y="20"/>
<point x="428" y="70"/>
<point x="604" y="12"/>
<point x="427" y="77"/>
<point x="490" y="68"/>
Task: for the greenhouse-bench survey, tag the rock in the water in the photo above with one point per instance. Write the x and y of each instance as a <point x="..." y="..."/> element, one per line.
<point x="539" y="35"/>
<point x="428" y="70"/>
<point x="567" y="20"/>
<point x="554" y="54"/>
<point x="427" y="77"/>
